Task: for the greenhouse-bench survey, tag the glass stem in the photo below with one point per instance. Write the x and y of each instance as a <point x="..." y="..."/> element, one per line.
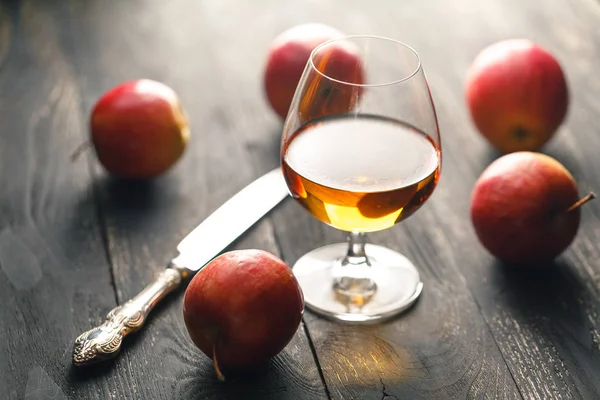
<point x="352" y="274"/>
<point x="356" y="249"/>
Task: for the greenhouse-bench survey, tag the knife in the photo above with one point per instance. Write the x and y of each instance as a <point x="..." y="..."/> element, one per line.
<point x="200" y="246"/>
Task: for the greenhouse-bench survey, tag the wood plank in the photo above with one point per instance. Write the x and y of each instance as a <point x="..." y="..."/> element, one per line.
<point x="545" y="323"/>
<point x="442" y="349"/>
<point x="177" y="43"/>
<point x="546" y="327"/>
<point x="54" y="278"/>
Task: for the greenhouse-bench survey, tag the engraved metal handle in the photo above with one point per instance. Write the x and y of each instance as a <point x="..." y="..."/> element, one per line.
<point x="104" y="342"/>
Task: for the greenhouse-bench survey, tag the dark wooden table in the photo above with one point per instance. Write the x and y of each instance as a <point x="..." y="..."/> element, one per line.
<point x="74" y="243"/>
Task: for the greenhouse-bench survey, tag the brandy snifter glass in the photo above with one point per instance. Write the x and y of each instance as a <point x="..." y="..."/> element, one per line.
<point x="361" y="152"/>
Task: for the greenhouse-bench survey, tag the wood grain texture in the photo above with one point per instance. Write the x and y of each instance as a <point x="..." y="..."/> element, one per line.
<point x="145" y="221"/>
<point x="440" y="350"/>
<point x="545" y="324"/>
<point x="481" y="330"/>
<point x="54" y="278"/>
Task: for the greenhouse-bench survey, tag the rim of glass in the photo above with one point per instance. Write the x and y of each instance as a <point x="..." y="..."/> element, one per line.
<point x="316" y="49"/>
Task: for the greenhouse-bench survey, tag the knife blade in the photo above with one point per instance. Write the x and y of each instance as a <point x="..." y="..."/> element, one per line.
<point x="240" y="211"/>
<point x="198" y="248"/>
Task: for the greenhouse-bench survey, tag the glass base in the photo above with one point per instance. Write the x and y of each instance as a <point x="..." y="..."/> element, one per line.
<point x="397" y="285"/>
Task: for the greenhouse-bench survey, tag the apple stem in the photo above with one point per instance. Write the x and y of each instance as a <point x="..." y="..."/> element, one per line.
<point x="80" y="149"/>
<point x="582" y="201"/>
<point x="220" y="375"/>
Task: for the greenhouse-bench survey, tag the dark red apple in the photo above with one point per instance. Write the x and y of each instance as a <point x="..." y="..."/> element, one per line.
<point x="525" y="208"/>
<point x="286" y="59"/>
<point x="243" y="308"/>
<point x="139" y="129"/>
<point x="517" y="95"/>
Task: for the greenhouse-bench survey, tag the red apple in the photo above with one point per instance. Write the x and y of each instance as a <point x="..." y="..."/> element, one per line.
<point x="525" y="208"/>
<point x="243" y="308"/>
<point x="517" y="95"/>
<point x="286" y="59"/>
<point x="333" y="86"/>
<point x="139" y="129"/>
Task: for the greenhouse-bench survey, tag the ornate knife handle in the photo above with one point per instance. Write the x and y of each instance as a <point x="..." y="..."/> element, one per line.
<point x="104" y="342"/>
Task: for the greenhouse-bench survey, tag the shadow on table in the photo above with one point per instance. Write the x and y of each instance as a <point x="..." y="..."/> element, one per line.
<point x="143" y="195"/>
<point x="136" y="208"/>
<point x="79" y="375"/>
<point x="264" y="381"/>
<point x="563" y="156"/>
<point x="551" y="294"/>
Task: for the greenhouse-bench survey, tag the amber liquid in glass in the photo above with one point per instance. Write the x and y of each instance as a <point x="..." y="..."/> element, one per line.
<point x="360" y="173"/>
